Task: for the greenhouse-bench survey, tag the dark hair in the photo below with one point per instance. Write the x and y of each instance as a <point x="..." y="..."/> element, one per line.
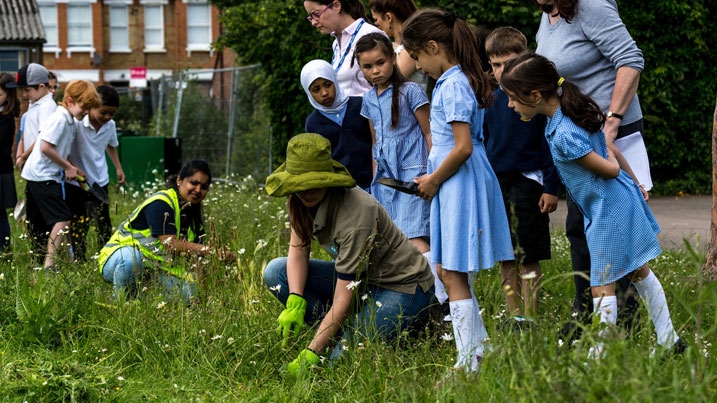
<point x="194" y="211"/>
<point x="191" y="167"/>
<point x="109" y="96"/>
<point x="481" y="33"/>
<point x="567" y="9"/>
<point x="379" y="40"/>
<point x="301" y="218"/>
<point x="532" y="72"/>
<point x="12" y="105"/>
<point x="401" y="9"/>
<point x="51" y="76"/>
<point x="504" y="41"/>
<point x="354" y="8"/>
<point x="459" y="41"/>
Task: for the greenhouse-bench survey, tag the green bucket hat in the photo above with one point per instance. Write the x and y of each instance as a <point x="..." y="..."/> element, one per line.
<point x="308" y="166"/>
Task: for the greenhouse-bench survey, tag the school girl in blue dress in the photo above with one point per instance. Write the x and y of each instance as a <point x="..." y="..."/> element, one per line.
<point x="399" y="123"/>
<point x="619" y="226"/>
<point x="469" y="228"/>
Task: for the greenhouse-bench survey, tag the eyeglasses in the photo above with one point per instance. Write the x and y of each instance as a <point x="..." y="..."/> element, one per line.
<point x="316" y="14"/>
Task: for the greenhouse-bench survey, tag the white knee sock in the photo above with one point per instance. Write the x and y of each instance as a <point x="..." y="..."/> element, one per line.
<point x="469" y="332"/>
<point x="652" y="293"/>
<point x="606" y="308"/>
<point x="441" y="295"/>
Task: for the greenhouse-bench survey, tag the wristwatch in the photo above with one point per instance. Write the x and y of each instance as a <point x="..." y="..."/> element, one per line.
<point x="612" y="114"/>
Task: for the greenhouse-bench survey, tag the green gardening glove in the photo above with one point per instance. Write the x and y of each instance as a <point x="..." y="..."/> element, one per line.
<point x="291" y="317"/>
<point x="304" y="361"/>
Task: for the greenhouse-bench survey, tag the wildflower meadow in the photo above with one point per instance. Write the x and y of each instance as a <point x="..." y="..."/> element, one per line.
<point x="64" y="338"/>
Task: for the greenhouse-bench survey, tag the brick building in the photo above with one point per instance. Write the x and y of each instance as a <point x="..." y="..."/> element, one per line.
<point x="21" y="34"/>
<point x="101" y="40"/>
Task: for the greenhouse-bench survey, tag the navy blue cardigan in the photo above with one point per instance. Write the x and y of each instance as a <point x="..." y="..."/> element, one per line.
<point x="516" y="146"/>
<point x="350" y="142"/>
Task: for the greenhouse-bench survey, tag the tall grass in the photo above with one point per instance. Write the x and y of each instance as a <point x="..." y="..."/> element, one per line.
<point x="63" y="337"/>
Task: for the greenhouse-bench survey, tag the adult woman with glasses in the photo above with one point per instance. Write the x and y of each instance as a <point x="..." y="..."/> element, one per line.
<point x="345" y="19"/>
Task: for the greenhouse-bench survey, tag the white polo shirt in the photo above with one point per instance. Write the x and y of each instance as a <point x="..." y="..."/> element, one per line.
<point x="37" y="113"/>
<point x="59" y="130"/>
<point x="88" y="149"/>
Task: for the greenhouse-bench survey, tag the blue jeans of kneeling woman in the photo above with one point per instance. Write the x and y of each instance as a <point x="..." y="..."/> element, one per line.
<point x="125" y="267"/>
<point x="382" y="313"/>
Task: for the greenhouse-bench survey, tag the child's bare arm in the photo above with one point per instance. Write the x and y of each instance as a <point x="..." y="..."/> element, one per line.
<point x="428" y="184"/>
<point x="373" y="144"/>
<point x="112" y="153"/>
<point x="423" y="115"/>
<point x="51" y="152"/>
<point x="607" y="168"/>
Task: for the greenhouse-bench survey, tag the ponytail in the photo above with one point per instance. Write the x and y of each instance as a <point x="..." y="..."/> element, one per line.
<point x="532" y="72"/>
<point x="580" y="108"/>
<point x="466" y="50"/>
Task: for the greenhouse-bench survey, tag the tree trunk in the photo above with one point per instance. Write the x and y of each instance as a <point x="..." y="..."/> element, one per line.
<point x="710" y="267"/>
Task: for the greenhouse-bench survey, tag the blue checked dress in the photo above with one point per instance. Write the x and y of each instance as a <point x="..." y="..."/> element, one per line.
<point x="400" y="152"/>
<point x="469" y="226"/>
<point x="619" y="226"/>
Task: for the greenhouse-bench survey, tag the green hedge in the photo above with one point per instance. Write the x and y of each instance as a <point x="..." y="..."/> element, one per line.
<point x="677" y="88"/>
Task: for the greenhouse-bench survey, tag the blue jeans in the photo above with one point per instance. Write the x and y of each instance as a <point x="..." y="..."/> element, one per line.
<point x="397" y="311"/>
<point x="124" y="268"/>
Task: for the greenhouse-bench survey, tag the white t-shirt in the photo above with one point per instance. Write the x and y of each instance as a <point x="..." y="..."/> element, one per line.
<point x="88" y="149"/>
<point x="59" y="130"/>
<point x="36" y="114"/>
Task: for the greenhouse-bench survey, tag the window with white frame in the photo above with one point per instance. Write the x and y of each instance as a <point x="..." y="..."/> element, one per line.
<point x="48" y="15"/>
<point x="199" y="26"/>
<point x="154" y="27"/>
<point x="119" y="27"/>
<point x="79" y="24"/>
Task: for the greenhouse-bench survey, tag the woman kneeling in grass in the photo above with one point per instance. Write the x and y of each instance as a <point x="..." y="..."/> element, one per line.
<point x="376" y="272"/>
<point x="166" y="225"/>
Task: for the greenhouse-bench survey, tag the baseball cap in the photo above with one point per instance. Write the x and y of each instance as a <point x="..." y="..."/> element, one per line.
<point x="28" y="75"/>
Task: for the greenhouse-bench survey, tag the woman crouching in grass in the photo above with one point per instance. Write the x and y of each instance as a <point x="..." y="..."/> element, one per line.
<point x="376" y="272"/>
<point x="166" y="225"/>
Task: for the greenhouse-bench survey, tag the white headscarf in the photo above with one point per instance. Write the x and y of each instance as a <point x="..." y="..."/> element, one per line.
<point x="322" y="69"/>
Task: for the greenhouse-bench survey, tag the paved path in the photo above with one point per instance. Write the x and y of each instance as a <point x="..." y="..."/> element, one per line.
<point x="682" y="217"/>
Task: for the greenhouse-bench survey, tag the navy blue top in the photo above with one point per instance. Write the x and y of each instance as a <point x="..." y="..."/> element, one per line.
<point x="516" y="146"/>
<point x="350" y="142"/>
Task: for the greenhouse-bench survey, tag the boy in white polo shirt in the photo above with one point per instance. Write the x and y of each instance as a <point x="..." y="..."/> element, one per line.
<point x="33" y="79"/>
<point x="96" y="134"/>
<point x="47" y="167"/>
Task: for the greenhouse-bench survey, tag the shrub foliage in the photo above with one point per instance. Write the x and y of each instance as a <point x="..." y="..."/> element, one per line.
<point x="677" y="87"/>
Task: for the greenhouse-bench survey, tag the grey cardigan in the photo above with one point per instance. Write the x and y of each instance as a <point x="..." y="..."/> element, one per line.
<point x="589" y="50"/>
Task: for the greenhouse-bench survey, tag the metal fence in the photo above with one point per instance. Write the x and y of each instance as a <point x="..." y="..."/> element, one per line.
<point x="217" y="113"/>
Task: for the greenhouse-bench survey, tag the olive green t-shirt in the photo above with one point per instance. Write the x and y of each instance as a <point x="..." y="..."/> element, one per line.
<point x="355" y="230"/>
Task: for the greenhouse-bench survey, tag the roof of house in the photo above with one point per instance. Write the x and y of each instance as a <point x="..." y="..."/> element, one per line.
<point x="20" y="21"/>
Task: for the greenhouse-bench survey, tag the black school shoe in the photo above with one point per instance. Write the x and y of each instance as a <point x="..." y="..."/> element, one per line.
<point x="678" y="348"/>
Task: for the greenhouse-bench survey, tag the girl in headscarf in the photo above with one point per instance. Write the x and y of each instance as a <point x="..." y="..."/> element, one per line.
<point x="338" y="118"/>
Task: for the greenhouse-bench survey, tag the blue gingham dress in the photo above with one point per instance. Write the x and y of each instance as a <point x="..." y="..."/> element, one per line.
<point x="401" y="153"/>
<point x="619" y="226"/>
<point x="469" y="226"/>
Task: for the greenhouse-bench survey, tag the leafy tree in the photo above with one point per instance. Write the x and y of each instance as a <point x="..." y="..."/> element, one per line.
<point x="275" y="33"/>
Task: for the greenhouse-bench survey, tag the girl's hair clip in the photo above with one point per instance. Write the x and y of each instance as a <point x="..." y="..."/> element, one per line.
<point x="450" y="18"/>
